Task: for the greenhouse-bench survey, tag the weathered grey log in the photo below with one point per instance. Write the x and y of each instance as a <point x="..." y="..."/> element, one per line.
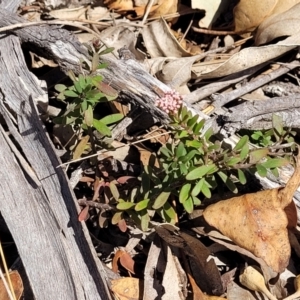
<point x="35" y="199"/>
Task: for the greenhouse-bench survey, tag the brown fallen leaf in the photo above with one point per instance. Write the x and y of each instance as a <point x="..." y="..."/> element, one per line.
<point x="127" y="262"/>
<point x="205" y="272"/>
<point x="248" y="14"/>
<point x="283" y="24"/>
<point x="257" y="222"/>
<point x="127" y="288"/>
<point x="17" y="284"/>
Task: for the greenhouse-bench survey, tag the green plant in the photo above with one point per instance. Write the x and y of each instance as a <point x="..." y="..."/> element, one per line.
<point x="81" y="99"/>
<point x="194" y="164"/>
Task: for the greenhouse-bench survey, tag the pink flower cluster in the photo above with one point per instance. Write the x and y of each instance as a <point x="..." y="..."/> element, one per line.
<point x="170" y="102"/>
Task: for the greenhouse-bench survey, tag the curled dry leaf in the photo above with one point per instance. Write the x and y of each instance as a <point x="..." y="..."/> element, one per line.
<point x="248" y="14"/>
<point x="160" y="41"/>
<point x="253" y="280"/>
<point x="260" y="223"/>
<point x="284" y="24"/>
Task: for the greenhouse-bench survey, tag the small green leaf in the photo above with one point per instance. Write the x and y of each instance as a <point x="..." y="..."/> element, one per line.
<point x="69" y="93"/>
<point x="102" y="66"/>
<point x="198" y="126"/>
<point x="113" y="118"/>
<point x="200" y="172"/>
<point x="88" y="116"/>
<point x="161" y="200"/>
<point x="78" y="87"/>
<point x="241" y="143"/>
<point x="244" y="151"/>
<point x="206" y="190"/>
<point x="107" y="50"/>
<point x="194" y="144"/>
<point x="117" y="217"/>
<point x="180" y="150"/>
<point x="275" y="163"/>
<point x="181" y="134"/>
<point x="189" y="205"/>
<point x="275" y="172"/>
<point x="145" y="219"/>
<point x="82" y="82"/>
<point x="209" y="132"/>
<point x="258" y="154"/>
<point x="229" y="183"/>
<point x="166" y="152"/>
<point x="197" y="188"/>
<point x="114" y="190"/>
<point x="261" y="170"/>
<point x="101" y="127"/>
<point x="60" y="87"/>
<point x="188" y="156"/>
<point x="184" y="192"/>
<point x="242" y="177"/>
<point x="142" y="205"/>
<point x="233" y="161"/>
<point x="192" y="121"/>
<point x="196" y="201"/>
<point x="183" y="169"/>
<point x="125" y="205"/>
<point x="169" y="210"/>
<point x="256" y="135"/>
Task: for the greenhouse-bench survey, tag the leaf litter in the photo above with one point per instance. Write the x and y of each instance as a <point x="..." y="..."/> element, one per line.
<point x="248" y="239"/>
